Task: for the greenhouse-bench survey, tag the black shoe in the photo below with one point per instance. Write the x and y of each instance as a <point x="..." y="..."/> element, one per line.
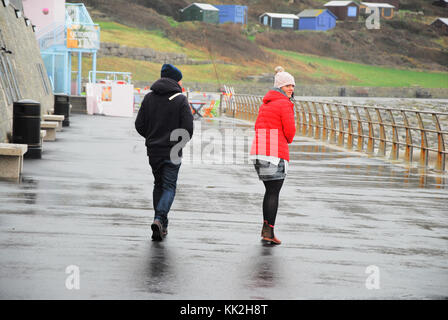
<point x="165" y="228"/>
<point x="157" y="230"/>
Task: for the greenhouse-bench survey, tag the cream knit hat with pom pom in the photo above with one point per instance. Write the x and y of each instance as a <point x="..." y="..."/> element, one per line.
<point x="282" y="79"/>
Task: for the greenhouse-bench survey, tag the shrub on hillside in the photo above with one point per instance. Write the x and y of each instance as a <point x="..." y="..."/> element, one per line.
<point x="129" y="13"/>
<point x="225" y="40"/>
<point x="412" y="27"/>
<point x="365" y="46"/>
<point x="411" y="5"/>
<point x="168" y="8"/>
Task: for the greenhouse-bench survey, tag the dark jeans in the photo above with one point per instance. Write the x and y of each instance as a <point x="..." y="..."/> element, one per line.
<point x="165" y="180"/>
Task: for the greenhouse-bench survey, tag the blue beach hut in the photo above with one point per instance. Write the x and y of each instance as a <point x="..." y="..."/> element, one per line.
<point x="232" y="13"/>
<point x="316" y="19"/>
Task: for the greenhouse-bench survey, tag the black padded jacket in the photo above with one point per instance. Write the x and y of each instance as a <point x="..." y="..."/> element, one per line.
<point x="163" y="110"/>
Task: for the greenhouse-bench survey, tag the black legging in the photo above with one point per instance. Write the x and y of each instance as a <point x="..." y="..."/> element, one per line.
<point x="270" y="201"/>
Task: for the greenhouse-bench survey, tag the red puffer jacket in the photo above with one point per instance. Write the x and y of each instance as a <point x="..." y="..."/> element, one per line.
<point x="275" y="127"/>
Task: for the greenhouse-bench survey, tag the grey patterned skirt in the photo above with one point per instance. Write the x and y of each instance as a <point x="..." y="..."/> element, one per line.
<point x="268" y="171"/>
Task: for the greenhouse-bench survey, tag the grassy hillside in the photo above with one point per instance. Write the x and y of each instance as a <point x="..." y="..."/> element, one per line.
<point x="405" y="52"/>
<point x="306" y="68"/>
<point x="365" y="75"/>
<point x="149" y="72"/>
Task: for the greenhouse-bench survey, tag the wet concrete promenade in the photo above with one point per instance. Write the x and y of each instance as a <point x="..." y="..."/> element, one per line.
<point x="352" y="227"/>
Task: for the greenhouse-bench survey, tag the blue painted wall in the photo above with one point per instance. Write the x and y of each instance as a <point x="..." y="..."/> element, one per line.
<point x="325" y="21"/>
<point x="232" y="13"/>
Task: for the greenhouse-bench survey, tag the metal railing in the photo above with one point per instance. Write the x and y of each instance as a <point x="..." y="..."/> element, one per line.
<point x="394" y="133"/>
<point x="110" y="75"/>
<point x="76" y="13"/>
<point x="52" y="35"/>
<point x="77" y="31"/>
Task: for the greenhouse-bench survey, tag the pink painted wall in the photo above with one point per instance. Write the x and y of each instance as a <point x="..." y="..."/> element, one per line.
<point x="33" y="10"/>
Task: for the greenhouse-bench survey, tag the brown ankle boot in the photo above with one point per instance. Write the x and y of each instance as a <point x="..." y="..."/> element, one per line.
<point x="265" y="231"/>
<point x="267" y="234"/>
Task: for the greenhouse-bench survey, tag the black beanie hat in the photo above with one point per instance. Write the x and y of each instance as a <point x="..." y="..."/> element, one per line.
<point x="170" y="71"/>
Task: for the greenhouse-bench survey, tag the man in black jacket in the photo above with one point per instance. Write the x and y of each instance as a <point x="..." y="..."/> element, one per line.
<point x="166" y="122"/>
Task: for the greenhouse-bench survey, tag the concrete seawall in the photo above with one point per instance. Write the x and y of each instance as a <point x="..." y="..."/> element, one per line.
<point x="19" y="47"/>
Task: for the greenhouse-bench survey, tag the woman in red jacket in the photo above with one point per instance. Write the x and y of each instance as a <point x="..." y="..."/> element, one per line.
<point x="274" y="130"/>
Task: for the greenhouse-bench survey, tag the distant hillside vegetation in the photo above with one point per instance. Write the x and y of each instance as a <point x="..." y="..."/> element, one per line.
<point x="406" y="41"/>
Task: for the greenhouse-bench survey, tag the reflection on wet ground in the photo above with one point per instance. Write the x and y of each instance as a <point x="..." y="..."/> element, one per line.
<point x="88" y="203"/>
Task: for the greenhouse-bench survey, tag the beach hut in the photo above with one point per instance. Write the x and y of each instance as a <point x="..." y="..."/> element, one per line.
<point x="280" y="20"/>
<point x="441" y="24"/>
<point x="200" y="12"/>
<point x="316" y="19"/>
<point x="395" y="3"/>
<point x="386" y="10"/>
<point x="232" y="13"/>
<point x="441" y="3"/>
<point x="343" y="10"/>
